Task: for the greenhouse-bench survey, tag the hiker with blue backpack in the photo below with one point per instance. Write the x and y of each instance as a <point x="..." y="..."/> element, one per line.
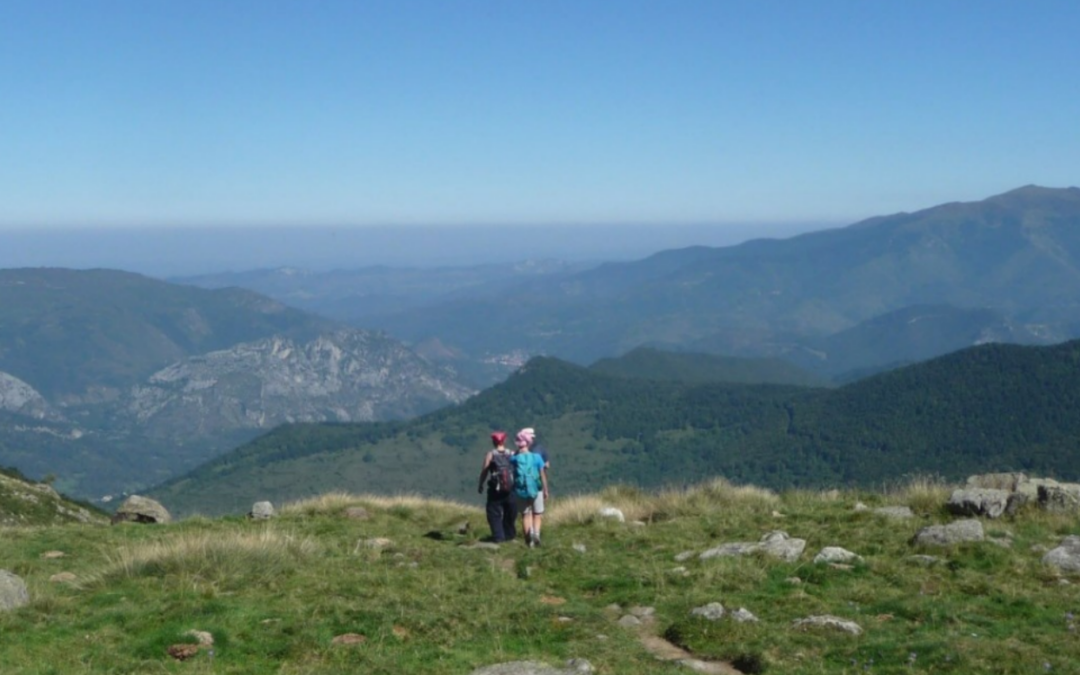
<point x="530" y="486"/>
<point x="498" y="473"/>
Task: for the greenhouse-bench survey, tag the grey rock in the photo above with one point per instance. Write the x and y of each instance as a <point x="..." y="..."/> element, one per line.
<point x="13" y="593"/>
<point x="613" y="513"/>
<point x="859" y="506"/>
<point x="947" y="535"/>
<point x="828" y="622"/>
<point x="573" y="667"/>
<point x="713" y="611"/>
<point x="1065" y="557"/>
<point x="262" y="511"/>
<point x="629" y="621"/>
<point x="730" y="550"/>
<point x="835" y="554"/>
<point x="978" y="502"/>
<point x="642" y="612"/>
<point x="138" y="509"/>
<point x="580" y="548"/>
<point x="1061" y="498"/>
<point x="898" y="512"/>
<point x="776" y="544"/>
<point x="743" y="615"/>
<point x="684" y="556"/>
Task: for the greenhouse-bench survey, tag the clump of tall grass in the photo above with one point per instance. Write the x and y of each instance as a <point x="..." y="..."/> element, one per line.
<point x="209" y="557"/>
<point x="336" y="502"/>
<point x="923" y="494"/>
<point x="636" y="504"/>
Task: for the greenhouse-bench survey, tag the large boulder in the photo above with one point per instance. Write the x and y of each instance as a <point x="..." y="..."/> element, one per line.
<point x="137" y="509"/>
<point x="986" y="502"/>
<point x="1060" y="497"/>
<point x="13" y="593"/>
<point x="776" y="544"/>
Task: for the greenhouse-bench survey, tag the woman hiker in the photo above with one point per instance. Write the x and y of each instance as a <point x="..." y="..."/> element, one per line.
<point x="498" y="472"/>
<point x="530" y="487"/>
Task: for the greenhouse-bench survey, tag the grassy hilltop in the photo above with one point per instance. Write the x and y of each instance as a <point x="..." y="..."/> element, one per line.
<point x="418" y="597"/>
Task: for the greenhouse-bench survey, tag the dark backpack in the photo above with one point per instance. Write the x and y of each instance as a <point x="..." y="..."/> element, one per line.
<point x="500" y="472"/>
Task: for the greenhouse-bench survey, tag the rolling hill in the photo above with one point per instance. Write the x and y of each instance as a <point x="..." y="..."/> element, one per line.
<point x="987" y="408"/>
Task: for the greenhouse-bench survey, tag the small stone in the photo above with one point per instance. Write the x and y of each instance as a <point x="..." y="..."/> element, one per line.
<point x="712" y="611"/>
<point x="580" y="548"/>
<point x="262" y="511"/>
<point x="794" y="581"/>
<point x="629" y="621"/>
<point x="828" y="622"/>
<point x="53" y="555"/>
<point x="642" y="612"/>
<point x="182" y="652"/>
<point x="684" y="556"/>
<point x="349" y="639"/>
<point x="613" y="513"/>
<point x="743" y="615"/>
<point x="378" y="543"/>
<point x="204" y="638"/>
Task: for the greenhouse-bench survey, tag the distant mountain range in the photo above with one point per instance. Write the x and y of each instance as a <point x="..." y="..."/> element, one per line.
<point x="988" y="408"/>
<point x="113" y="381"/>
<point x="1006" y="268"/>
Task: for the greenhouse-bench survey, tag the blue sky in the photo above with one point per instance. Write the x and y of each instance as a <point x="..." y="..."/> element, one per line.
<point x="458" y="112"/>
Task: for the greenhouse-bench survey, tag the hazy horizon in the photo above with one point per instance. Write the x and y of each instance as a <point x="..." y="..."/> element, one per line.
<point x="172" y="252"/>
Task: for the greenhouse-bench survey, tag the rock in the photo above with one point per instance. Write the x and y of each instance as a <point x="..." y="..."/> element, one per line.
<point x="53" y="555"/>
<point x="923" y="560"/>
<point x="642" y="612"/>
<point x="835" y="554"/>
<point x="828" y="622"/>
<point x="357" y="513"/>
<point x="580" y="548"/>
<point x="780" y="545"/>
<point x="793" y="581"/>
<point x="898" y="512"/>
<point x="613" y="513"/>
<point x="713" y="611"/>
<point x="729" y="550"/>
<point x="859" y="506"/>
<point x="13" y="593"/>
<point x="485" y="545"/>
<point x="947" y="535"/>
<point x="204" y="638"/>
<point x="377" y="543"/>
<point x="978" y="502"/>
<point x="63" y="578"/>
<point x="262" y="511"/>
<point x="349" y="639"/>
<point x="573" y="667"/>
<point x="182" y="652"/>
<point x="1062" y="498"/>
<point x="743" y="615"/>
<point x="997" y="481"/>
<point x="684" y="556"/>
<point x="629" y="621"/>
<point x="1065" y="557"/>
<point x="463" y="527"/>
<point x="138" y="509"/>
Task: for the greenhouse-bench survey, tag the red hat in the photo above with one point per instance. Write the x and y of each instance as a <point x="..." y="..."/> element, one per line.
<point x="498" y="438"/>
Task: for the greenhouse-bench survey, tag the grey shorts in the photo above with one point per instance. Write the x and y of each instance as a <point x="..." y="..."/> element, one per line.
<point x="534" y="506"/>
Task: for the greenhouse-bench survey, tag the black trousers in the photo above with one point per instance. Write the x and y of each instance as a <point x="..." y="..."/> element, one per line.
<point x="501" y="515"/>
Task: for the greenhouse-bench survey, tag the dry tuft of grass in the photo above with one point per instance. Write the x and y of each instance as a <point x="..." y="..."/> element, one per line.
<point x="335" y="502"/>
<point x="207" y="556"/>
<point x="923" y="494"/>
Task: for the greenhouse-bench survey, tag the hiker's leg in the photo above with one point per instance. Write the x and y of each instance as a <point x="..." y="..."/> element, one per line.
<point x="538" y="514"/>
<point x="494" y="511"/>
<point x="510" y="518"/>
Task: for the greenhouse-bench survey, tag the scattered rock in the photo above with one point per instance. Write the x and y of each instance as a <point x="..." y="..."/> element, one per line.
<point x="182" y="652"/>
<point x="859" y="506"/>
<point x="923" y="560"/>
<point x="776" y="544"/>
<point x="629" y="621"/>
<point x="1061" y="498"/>
<point x="897" y="512"/>
<point x="1065" y="557"/>
<point x="835" y="555"/>
<point x="743" y="615"/>
<point x="262" y="511"/>
<point x="684" y="556"/>
<point x="794" y="581"/>
<point x="978" y="502"/>
<point x="204" y="638"/>
<point x="349" y="639"/>
<point x="613" y="513"/>
<point x="138" y="509"/>
<point x="53" y="555"/>
<point x="357" y="513"/>
<point x="13" y="593"/>
<point x="680" y="570"/>
<point x="377" y="543"/>
<point x="573" y="667"/>
<point x="714" y="611"/>
<point x="580" y="548"/>
<point x="642" y="612"/>
<point x="828" y="622"/>
<point x="947" y="535"/>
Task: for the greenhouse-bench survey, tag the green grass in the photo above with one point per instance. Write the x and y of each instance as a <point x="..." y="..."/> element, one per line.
<point x="275" y="594"/>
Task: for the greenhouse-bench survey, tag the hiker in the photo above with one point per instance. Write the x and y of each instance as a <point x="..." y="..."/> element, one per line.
<point x="535" y="446"/>
<point x="530" y="487"/>
<point x="498" y="472"/>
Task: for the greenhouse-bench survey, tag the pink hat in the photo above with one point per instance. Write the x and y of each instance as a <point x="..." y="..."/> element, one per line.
<point x="525" y="437"/>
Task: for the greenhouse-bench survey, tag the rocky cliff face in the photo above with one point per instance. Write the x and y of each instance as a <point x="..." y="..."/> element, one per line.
<point x="342" y="376"/>
<point x="19" y="397"/>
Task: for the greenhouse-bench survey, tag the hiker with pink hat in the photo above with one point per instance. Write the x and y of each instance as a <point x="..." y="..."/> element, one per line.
<point x="530" y="485"/>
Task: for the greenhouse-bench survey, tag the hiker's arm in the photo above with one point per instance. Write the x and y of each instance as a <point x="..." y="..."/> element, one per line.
<point x="543" y="481"/>
<point x="483" y="473"/>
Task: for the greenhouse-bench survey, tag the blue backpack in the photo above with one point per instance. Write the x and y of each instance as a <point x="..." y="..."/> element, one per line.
<point x="527" y="475"/>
